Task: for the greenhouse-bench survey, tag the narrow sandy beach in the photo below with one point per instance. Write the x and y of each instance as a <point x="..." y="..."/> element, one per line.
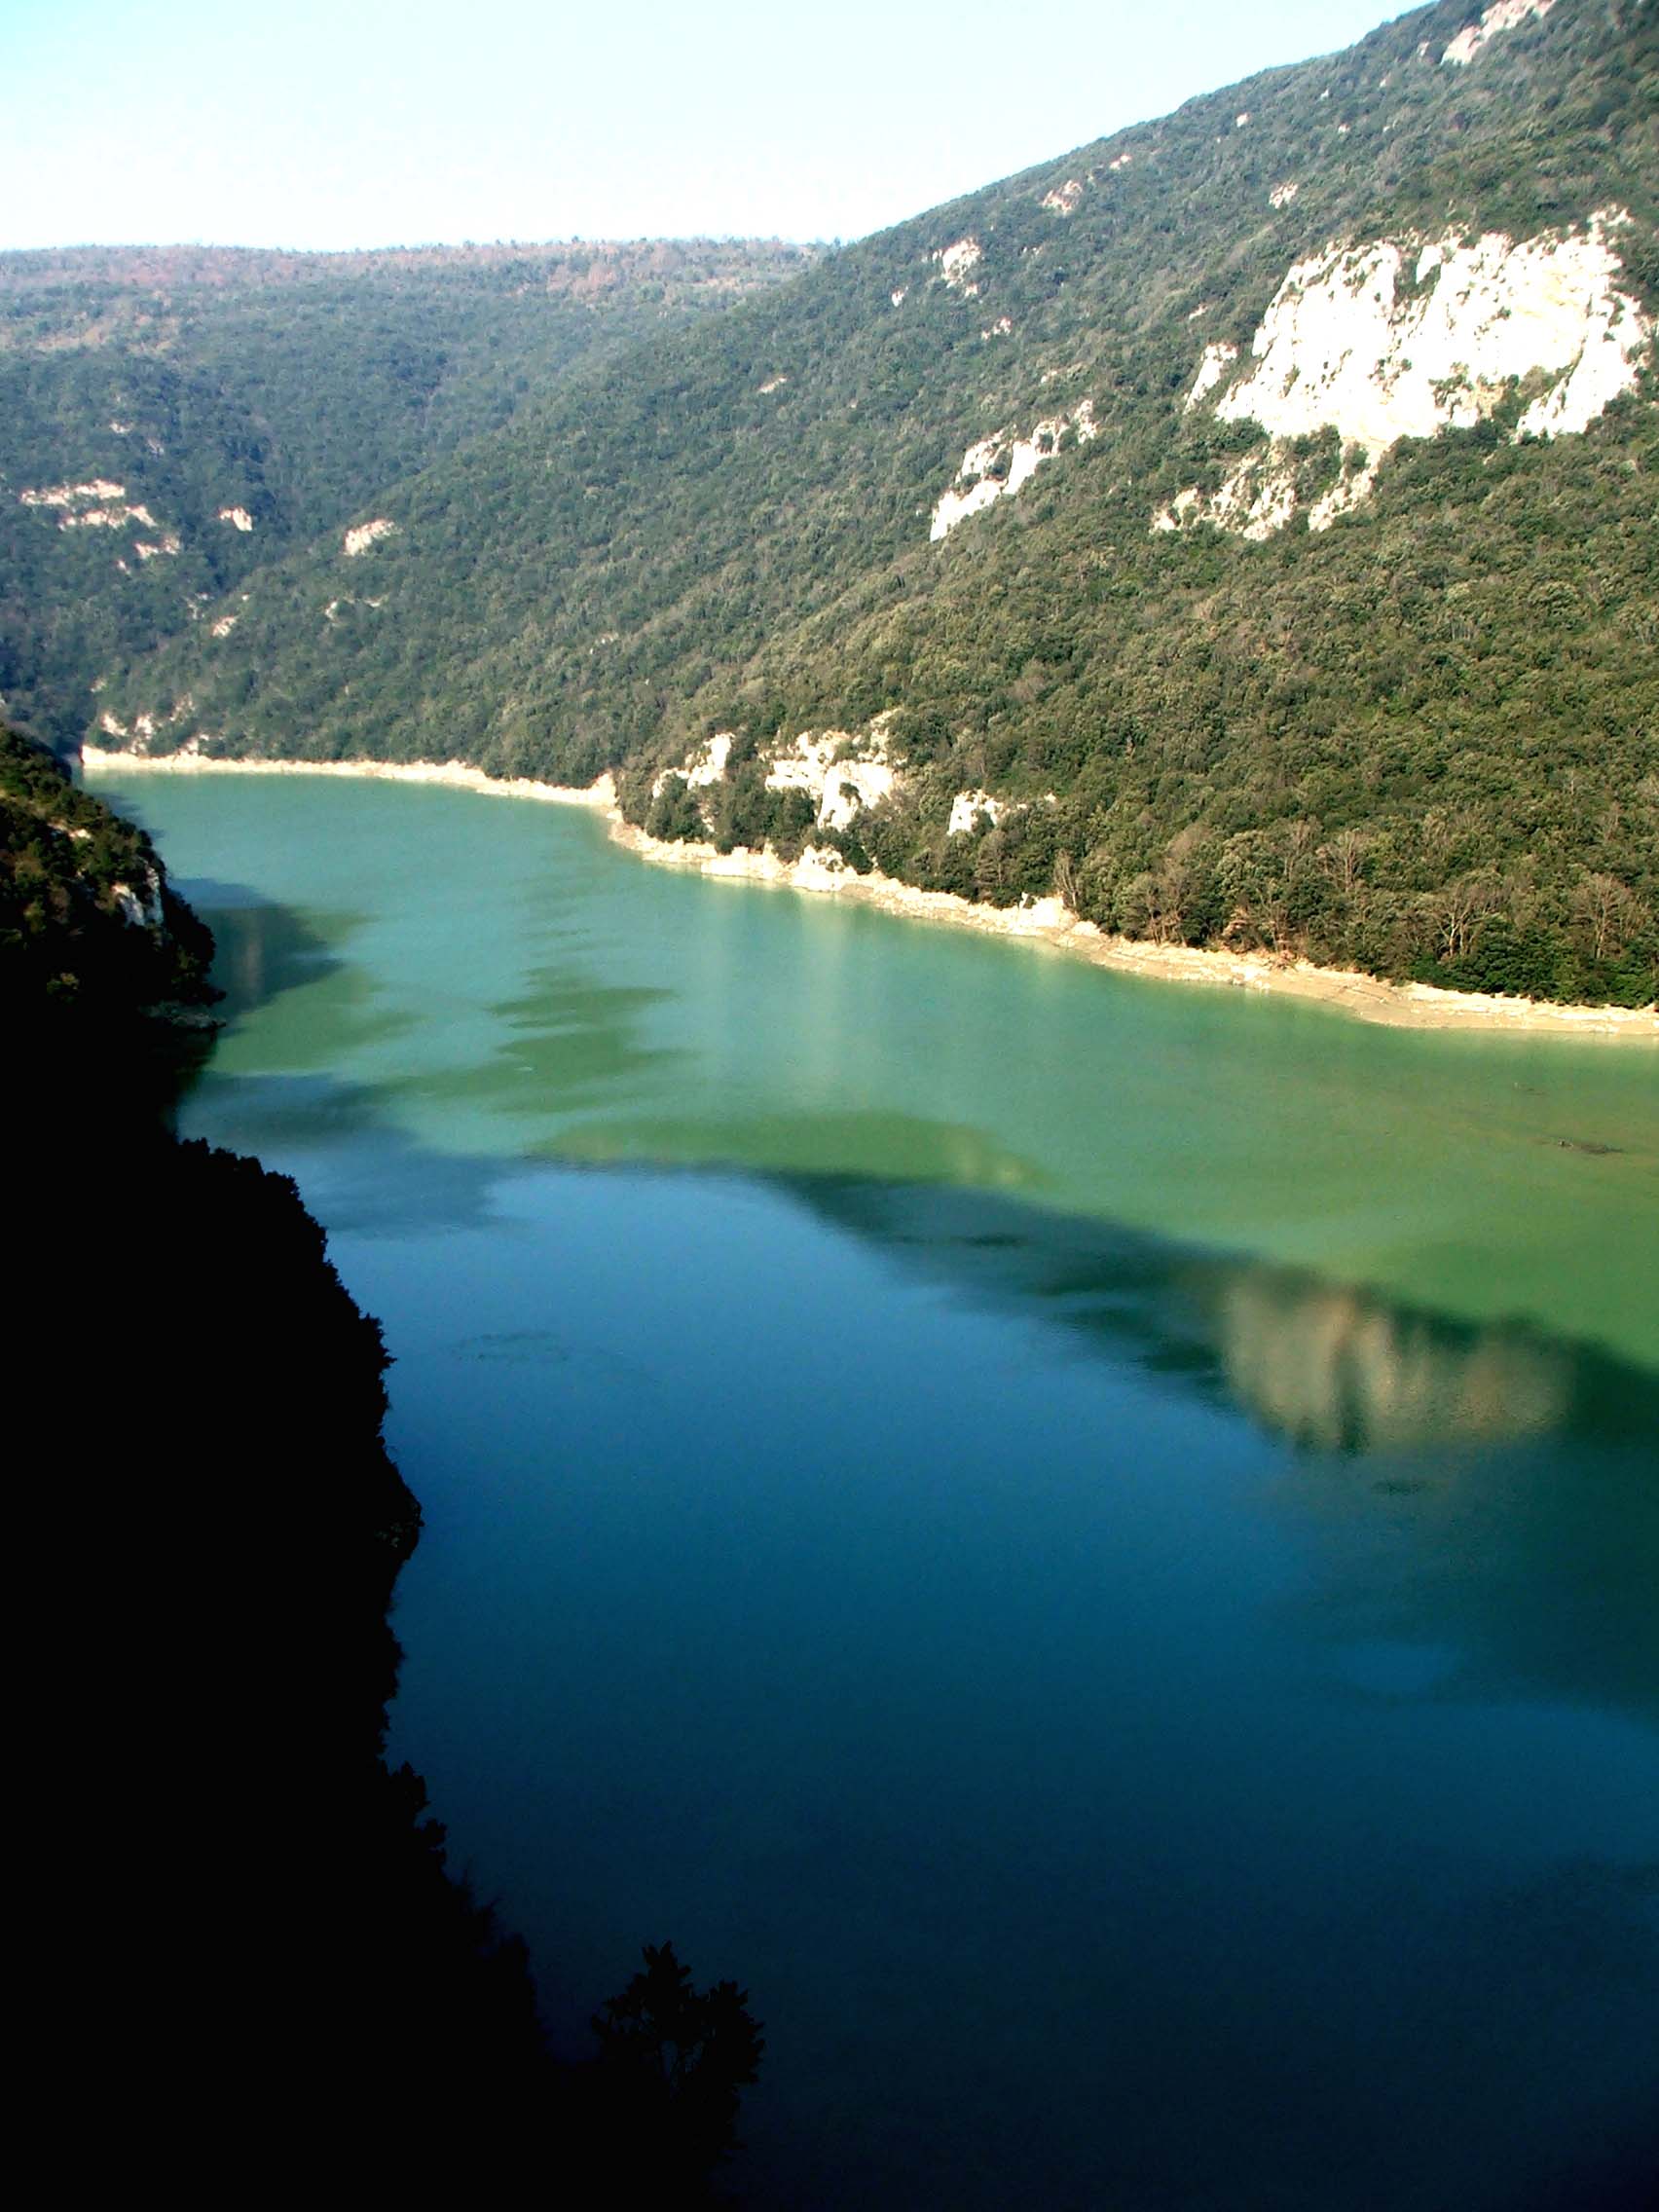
<point x="454" y="773"/>
<point x="1400" y="1005"/>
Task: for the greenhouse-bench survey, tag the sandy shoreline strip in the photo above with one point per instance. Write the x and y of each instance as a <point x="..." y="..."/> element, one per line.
<point x="1399" y="1006"/>
<point x="456" y="773"/>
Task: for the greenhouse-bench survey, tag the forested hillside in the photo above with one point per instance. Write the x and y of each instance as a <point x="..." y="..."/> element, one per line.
<point x="174" y="418"/>
<point x="1244" y="526"/>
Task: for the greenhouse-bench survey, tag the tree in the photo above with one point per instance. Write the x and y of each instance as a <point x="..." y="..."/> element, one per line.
<point x="673" y="2059"/>
<point x="1609" y="912"/>
<point x="1459" y="911"/>
<point x="1343" y="859"/>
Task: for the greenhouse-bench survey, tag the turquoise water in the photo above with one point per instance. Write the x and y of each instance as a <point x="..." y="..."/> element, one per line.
<point x="1096" y="1544"/>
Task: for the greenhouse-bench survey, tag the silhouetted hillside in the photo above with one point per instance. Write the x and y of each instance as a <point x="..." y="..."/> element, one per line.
<point x="247" y="1962"/>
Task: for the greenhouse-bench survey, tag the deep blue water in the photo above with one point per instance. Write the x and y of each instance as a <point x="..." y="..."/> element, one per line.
<point x="1132" y="1629"/>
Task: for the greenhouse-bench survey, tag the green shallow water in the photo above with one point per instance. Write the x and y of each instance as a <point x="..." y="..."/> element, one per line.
<point x="502" y="981"/>
<point x="1096" y="1542"/>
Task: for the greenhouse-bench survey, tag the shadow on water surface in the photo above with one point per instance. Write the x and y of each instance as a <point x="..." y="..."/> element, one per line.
<point x="1485" y="1498"/>
<point x="1489" y="1493"/>
<point x="1478" y="1510"/>
<point x="1328" y="1366"/>
<point x="265" y="952"/>
<point x="262" y="947"/>
<point x="360" y="1173"/>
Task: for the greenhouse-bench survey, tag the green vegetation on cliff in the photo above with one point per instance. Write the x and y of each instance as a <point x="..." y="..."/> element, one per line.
<point x="87" y="924"/>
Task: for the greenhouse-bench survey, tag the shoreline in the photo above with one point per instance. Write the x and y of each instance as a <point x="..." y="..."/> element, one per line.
<point x="456" y="774"/>
<point x="1048" y="922"/>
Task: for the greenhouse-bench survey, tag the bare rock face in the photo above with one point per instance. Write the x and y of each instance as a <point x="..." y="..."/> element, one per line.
<point x="1000" y="465"/>
<point x="365" y="535"/>
<point x="1501" y="15"/>
<point x="1401" y="338"/>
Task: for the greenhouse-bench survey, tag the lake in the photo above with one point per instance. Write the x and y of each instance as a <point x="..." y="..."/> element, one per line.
<point x="1093" y="1543"/>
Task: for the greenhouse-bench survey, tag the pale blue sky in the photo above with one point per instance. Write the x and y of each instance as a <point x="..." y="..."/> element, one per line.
<point x="338" y="122"/>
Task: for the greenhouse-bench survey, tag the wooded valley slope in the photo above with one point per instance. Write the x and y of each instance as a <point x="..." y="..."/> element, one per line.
<point x="1243" y="525"/>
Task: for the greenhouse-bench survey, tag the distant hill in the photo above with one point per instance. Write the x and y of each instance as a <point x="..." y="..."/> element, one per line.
<point x="1244" y="525"/>
<point x="172" y="418"/>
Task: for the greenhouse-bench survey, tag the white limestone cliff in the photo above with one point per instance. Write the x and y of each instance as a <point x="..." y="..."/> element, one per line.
<point x="1000" y="465"/>
<point x="1501" y="15"/>
<point x="957" y="264"/>
<point x="965" y="809"/>
<point x="1402" y="338"/>
<point x="840" y="770"/>
<point x="366" y="535"/>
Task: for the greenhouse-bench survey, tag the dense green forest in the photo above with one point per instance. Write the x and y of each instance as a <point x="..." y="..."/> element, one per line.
<point x="1423" y="741"/>
<point x="247" y="1946"/>
<point x="238" y="402"/>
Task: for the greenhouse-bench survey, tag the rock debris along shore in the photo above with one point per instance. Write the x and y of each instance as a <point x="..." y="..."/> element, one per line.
<point x="1047" y="921"/>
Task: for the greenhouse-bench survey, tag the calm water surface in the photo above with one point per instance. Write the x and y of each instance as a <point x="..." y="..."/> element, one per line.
<point x="1096" y="1544"/>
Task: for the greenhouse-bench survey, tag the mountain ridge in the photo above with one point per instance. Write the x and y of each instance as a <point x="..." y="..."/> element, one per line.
<point x="232" y="402"/>
<point x="1420" y="741"/>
